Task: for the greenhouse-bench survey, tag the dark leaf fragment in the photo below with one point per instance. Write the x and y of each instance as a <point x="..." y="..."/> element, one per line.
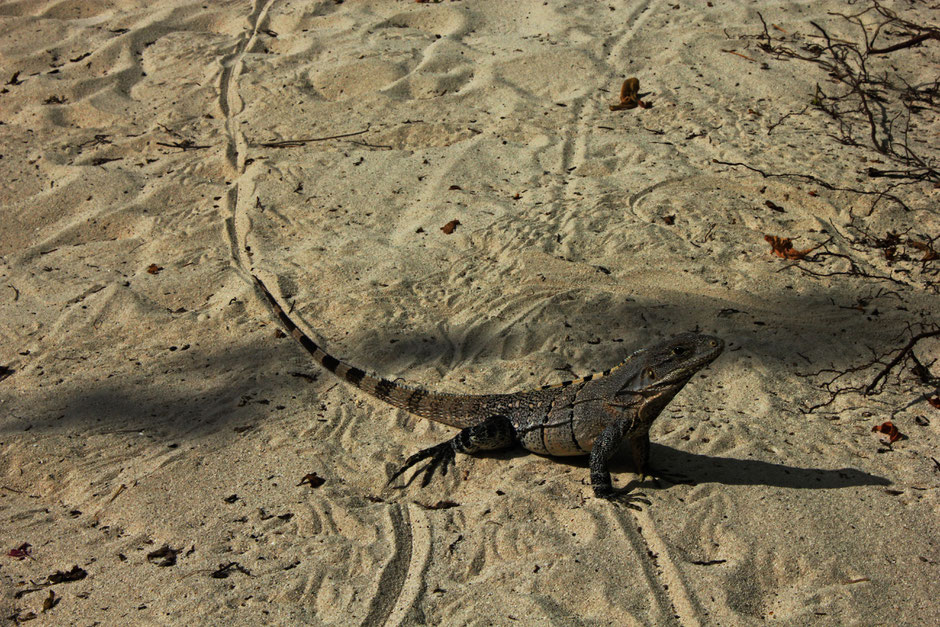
<point x="225" y="569"/>
<point x="75" y="574"/>
<point x="50" y="601"/>
<point x="20" y="552"/>
<point x="163" y="557"/>
<point x="313" y="480"/>
<point x="439" y="505"/>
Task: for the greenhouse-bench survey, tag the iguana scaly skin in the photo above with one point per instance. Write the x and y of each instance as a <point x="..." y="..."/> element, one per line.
<point x="587" y="416"/>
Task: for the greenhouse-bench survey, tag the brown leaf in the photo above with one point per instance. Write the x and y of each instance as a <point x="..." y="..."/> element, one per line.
<point x="450" y="227"/>
<point x="890" y="430"/>
<point x="630" y="96"/>
<point x="629" y="89"/>
<point x="934" y="400"/>
<point x="154" y="269"/>
<point x="783" y="247"/>
<point x="669" y="220"/>
<point x="20" y="552"/>
<point x="50" y="602"/>
<point x="929" y="253"/>
<point x="76" y="574"/>
<point x="164" y="556"/>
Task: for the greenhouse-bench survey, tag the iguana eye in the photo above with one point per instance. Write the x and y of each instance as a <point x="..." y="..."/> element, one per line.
<point x="650" y="373"/>
<point x="678" y="350"/>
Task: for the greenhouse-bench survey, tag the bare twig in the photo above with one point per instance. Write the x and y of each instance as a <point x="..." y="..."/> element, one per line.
<point x="894" y="362"/>
<point x="913" y="41"/>
<point x="184" y="145"/>
<point x="874" y="109"/>
<point x="294" y="143"/>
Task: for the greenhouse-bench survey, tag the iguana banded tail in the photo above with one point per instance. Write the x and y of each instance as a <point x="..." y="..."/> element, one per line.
<point x="587" y="416"/>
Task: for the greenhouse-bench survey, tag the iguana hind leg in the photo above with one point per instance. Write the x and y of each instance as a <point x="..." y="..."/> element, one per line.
<point x="494" y="433"/>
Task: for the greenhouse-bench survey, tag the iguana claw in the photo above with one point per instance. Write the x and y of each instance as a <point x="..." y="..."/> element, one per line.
<point x="623" y="497"/>
<point x="442" y="455"/>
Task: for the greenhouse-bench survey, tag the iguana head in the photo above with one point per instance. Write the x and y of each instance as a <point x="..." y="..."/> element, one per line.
<point x="674" y="361"/>
<point x="652" y="376"/>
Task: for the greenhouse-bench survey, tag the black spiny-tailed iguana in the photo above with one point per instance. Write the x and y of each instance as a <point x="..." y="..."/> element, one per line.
<point x="587" y="416"/>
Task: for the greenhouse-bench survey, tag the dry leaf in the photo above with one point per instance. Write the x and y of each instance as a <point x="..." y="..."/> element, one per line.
<point x="75" y="574"/>
<point x="50" y="602"/>
<point x="164" y="556"/>
<point x="450" y="227"/>
<point x="934" y="400"/>
<point x="20" y="552"/>
<point x="630" y="96"/>
<point x="890" y="430"/>
<point x="929" y="253"/>
<point x="313" y="480"/>
<point x="153" y="269"/>
<point x="783" y="247"/>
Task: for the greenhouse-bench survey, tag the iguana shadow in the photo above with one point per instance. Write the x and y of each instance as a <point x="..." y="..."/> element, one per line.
<point x="701" y="469"/>
<point x="730" y="471"/>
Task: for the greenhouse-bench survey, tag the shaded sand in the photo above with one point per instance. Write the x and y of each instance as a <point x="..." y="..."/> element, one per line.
<point x="151" y="403"/>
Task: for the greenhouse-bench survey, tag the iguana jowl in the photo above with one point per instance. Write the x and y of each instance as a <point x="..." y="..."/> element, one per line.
<point x="587" y="416"/>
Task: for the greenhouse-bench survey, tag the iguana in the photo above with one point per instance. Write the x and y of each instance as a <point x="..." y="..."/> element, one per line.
<point x="587" y="416"/>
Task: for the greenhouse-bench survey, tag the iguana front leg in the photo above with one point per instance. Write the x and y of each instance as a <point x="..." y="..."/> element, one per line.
<point x="604" y="448"/>
<point x="494" y="433"/>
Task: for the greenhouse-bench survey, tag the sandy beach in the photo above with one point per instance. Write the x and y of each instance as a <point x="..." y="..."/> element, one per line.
<point x="450" y="194"/>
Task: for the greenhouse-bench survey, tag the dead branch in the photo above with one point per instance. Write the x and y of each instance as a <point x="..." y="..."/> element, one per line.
<point x="294" y="143"/>
<point x="873" y="109"/>
<point x="900" y="356"/>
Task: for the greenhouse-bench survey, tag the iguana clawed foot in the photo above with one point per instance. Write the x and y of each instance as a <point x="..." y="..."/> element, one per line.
<point x="442" y="455"/>
<point x="622" y="497"/>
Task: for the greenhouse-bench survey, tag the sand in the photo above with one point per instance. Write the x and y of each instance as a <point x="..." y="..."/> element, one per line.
<point x="159" y="440"/>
